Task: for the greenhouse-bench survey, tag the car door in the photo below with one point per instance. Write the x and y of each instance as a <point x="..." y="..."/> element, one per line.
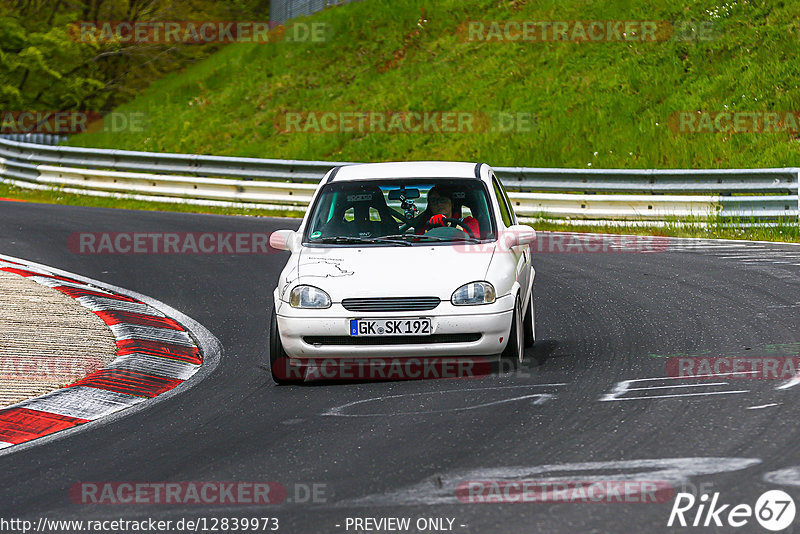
<point x="522" y="253"/>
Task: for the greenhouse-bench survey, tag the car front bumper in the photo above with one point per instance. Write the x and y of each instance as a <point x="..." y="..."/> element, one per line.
<point x="454" y="329"/>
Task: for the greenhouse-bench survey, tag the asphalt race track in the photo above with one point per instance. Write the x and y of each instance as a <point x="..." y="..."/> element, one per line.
<point x="602" y="319"/>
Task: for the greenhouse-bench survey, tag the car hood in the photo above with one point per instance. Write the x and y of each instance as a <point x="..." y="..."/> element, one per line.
<point x="348" y="272"/>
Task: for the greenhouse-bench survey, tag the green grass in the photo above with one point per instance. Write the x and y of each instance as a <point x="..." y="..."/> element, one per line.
<point x="784" y="231"/>
<point x="597" y="105"/>
<point x="56" y="196"/>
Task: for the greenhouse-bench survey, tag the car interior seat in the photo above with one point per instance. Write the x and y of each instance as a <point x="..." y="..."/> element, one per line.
<point x="361" y="224"/>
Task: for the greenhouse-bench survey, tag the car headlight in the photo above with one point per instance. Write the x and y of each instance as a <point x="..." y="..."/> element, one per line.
<point x="309" y="297"/>
<point x="473" y="294"/>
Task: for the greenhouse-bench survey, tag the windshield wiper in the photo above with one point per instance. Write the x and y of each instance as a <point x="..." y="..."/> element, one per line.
<point x="352" y="239"/>
<point x="434" y="238"/>
<point x="389" y="239"/>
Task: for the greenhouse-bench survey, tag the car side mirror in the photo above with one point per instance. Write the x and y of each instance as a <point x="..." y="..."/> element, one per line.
<point x="517" y="235"/>
<point x="283" y="240"/>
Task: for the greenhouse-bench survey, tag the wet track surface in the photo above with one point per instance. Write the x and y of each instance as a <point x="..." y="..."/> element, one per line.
<point x="595" y="388"/>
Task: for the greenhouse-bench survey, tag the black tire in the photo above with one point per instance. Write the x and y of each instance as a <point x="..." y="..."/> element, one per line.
<point x="278" y="359"/>
<point x="515" y="348"/>
<point x="529" y="323"/>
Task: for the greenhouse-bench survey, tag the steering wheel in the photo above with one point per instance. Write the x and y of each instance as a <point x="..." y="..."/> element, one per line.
<point x="455" y="222"/>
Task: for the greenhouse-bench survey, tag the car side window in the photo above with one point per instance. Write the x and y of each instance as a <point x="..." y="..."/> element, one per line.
<point x="502" y="201"/>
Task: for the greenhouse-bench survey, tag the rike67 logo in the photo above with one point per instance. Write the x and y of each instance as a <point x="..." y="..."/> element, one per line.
<point x="774" y="510"/>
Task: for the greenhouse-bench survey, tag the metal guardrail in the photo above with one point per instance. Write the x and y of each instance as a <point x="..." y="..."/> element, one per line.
<point x="537" y="193"/>
<point x="281" y="11"/>
<point x="38" y="138"/>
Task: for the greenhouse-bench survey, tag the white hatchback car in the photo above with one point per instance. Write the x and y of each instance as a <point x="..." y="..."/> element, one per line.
<point x="413" y="260"/>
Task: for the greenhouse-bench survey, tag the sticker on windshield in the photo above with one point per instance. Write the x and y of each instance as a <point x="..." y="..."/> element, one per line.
<point x="359" y="198"/>
<point x="316" y="235"/>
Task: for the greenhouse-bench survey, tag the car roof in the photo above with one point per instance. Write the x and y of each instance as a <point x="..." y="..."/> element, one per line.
<point x="414" y="169"/>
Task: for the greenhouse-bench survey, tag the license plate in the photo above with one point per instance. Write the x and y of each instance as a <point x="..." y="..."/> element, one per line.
<point x="390" y="327"/>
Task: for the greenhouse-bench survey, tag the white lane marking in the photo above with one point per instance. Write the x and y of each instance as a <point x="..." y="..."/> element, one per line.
<point x="621" y="388"/>
<point x="52" y="282"/>
<point x="81" y="402"/>
<point x="679" y="386"/>
<point x="541" y="398"/>
<point x="705" y="394"/>
<point x="745" y="256"/>
<point x="763" y="260"/>
<point x="789" y="476"/>
<point x="24" y="267"/>
<point x="708" y="375"/>
<point x="145" y="363"/>
<point x="711" y="247"/>
<point x="110" y="304"/>
<point x="443" y="489"/>
<point x="792" y="382"/>
<point x="151" y="333"/>
<point x="762" y="406"/>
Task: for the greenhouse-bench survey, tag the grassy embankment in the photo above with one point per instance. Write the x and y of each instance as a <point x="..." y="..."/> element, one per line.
<point x="596" y="105"/>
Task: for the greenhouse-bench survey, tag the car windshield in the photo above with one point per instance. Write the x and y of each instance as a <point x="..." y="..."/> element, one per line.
<point x="399" y="212"/>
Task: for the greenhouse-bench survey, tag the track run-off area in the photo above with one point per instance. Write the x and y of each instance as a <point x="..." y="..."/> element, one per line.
<point x="598" y="399"/>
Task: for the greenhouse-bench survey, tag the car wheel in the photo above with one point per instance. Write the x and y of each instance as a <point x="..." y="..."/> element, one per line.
<point x="530" y="323"/>
<point x="515" y="348"/>
<point x="278" y="359"/>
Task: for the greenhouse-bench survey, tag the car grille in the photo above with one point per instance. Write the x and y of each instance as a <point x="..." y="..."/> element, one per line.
<point x="391" y="304"/>
<point x="391" y="340"/>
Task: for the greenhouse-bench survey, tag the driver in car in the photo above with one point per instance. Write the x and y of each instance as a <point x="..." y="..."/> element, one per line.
<point x="440" y="207"/>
